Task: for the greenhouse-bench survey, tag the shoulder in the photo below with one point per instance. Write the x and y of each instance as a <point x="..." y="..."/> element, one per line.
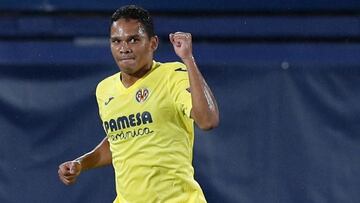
<point x="171" y="70"/>
<point x="174" y="74"/>
<point x="107" y="82"/>
<point x="171" y="66"/>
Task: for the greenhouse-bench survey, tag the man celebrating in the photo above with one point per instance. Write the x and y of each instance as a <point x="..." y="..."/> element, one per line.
<point x="147" y="111"/>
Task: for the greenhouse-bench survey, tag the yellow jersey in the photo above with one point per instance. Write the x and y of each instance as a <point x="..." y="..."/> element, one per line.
<point x="151" y="135"/>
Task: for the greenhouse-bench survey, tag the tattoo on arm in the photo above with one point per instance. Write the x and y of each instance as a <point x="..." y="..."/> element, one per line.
<point x="208" y="96"/>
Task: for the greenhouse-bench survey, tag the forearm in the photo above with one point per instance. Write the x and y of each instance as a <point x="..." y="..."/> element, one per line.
<point x="204" y="111"/>
<point x="99" y="156"/>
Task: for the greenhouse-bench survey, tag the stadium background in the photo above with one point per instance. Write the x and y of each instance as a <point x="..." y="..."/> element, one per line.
<point x="285" y="73"/>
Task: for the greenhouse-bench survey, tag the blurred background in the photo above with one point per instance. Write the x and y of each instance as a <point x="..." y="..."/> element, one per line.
<point x="285" y="74"/>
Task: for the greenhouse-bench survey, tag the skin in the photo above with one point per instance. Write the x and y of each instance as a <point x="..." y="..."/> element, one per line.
<point x="204" y="110"/>
<point x="133" y="50"/>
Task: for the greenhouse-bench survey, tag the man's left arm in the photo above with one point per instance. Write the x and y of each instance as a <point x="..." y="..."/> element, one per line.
<point x="204" y="110"/>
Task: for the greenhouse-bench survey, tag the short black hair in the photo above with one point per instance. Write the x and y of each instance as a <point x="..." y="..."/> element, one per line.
<point x="137" y="13"/>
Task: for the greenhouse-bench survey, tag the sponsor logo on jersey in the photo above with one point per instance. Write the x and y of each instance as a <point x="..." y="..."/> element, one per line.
<point x="131" y="120"/>
<point x="124" y="135"/>
<point x="126" y="127"/>
<point x="141" y="95"/>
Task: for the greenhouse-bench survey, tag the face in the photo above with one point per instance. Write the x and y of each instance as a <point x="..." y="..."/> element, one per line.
<point x="131" y="47"/>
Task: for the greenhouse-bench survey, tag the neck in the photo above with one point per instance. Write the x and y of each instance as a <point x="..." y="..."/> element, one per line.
<point x="130" y="79"/>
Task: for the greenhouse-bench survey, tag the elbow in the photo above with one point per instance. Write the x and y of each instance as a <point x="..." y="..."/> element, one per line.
<point x="209" y="124"/>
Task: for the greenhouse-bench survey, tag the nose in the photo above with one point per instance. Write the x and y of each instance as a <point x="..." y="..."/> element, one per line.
<point x="124" y="48"/>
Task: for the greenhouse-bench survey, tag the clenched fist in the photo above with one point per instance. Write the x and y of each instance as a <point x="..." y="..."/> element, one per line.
<point x="182" y="44"/>
<point x="69" y="171"/>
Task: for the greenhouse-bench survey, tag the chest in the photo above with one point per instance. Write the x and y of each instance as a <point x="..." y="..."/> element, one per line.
<point x="147" y="102"/>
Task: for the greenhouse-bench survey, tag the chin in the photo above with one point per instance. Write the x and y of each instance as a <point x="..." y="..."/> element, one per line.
<point x="128" y="70"/>
<point x="127" y="67"/>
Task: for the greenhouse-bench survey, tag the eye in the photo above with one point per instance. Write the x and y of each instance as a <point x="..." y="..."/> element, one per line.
<point x="133" y="40"/>
<point x="115" y="41"/>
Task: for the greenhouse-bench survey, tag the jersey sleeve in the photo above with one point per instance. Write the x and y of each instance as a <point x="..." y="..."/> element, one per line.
<point x="99" y="100"/>
<point x="179" y="87"/>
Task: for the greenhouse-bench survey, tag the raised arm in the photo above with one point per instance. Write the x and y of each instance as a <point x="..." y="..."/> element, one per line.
<point x="99" y="156"/>
<point x="204" y="110"/>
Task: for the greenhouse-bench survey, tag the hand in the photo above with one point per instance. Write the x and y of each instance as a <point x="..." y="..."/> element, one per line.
<point x="69" y="171"/>
<point x="182" y="44"/>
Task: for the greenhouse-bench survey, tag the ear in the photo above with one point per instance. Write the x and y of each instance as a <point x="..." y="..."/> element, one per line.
<point x="154" y="42"/>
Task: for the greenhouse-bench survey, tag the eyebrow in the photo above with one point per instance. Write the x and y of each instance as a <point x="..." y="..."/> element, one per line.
<point x="128" y="37"/>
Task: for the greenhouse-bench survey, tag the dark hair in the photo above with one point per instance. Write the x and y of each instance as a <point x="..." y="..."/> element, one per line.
<point x="137" y="13"/>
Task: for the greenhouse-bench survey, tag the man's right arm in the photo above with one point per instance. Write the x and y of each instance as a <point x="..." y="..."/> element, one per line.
<point x="99" y="156"/>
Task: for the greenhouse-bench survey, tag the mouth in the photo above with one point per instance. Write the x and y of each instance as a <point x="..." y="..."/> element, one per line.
<point x="126" y="59"/>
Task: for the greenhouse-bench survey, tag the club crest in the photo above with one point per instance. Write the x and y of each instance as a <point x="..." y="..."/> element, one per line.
<point x="141" y="95"/>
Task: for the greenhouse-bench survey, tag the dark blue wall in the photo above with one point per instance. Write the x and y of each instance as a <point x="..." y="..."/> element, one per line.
<point x="194" y="5"/>
<point x="285" y="74"/>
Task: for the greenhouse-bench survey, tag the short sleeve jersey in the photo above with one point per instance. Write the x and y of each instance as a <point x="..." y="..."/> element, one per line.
<point x="151" y="135"/>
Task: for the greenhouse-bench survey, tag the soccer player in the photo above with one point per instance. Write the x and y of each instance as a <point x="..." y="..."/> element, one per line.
<point x="148" y="110"/>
